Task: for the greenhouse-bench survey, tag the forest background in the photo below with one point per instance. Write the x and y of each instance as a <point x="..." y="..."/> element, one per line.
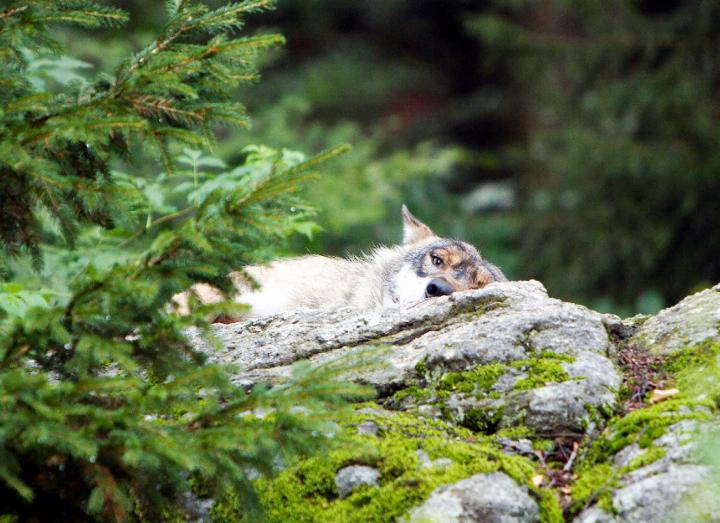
<point x="573" y="142"/>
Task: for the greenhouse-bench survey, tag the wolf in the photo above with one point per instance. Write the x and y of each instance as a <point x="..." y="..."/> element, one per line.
<point x="424" y="266"/>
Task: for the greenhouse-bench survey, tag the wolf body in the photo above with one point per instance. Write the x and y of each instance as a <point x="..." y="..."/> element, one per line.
<point x="423" y="266"/>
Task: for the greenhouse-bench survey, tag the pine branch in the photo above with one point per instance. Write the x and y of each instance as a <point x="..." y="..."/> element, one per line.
<point x="228" y="17"/>
<point x="99" y="384"/>
<point x="13" y="11"/>
<point x="173" y="7"/>
<point x="174" y="31"/>
<point x="162" y="108"/>
<point x="86" y="14"/>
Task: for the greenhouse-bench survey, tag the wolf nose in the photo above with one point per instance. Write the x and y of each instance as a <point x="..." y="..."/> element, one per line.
<point x="437" y="287"/>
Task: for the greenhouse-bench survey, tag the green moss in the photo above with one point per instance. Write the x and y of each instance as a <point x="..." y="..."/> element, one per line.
<point x="594" y="484"/>
<point x="689" y="367"/>
<point x="697" y="370"/>
<point x="484" y="416"/>
<point x="646" y="425"/>
<point x="649" y="456"/>
<point x="482" y="419"/>
<point x="413" y="395"/>
<point x="170" y="515"/>
<point x="477" y="382"/>
<point x="596" y="415"/>
<point x="541" y="370"/>
<point x="544" y="445"/>
<point x="550" y="510"/>
<point x="696" y="374"/>
<point x="518" y="432"/>
<point x="693" y="358"/>
<point x="548" y="354"/>
<point x="306" y="491"/>
<point x="643" y="426"/>
<point x="421" y="367"/>
<point x="597" y="483"/>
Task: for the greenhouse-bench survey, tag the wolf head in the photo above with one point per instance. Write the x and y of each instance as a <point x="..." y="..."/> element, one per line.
<point x="434" y="266"/>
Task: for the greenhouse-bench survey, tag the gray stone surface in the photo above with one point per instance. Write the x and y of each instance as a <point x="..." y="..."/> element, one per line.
<point x="661" y="497"/>
<point x="561" y="407"/>
<point x="483" y="498"/>
<point x="426" y="462"/>
<point x="504" y="322"/>
<point x="195" y="509"/>
<point x="349" y="478"/>
<point x="368" y="428"/>
<point x="693" y="320"/>
<point x="595" y="515"/>
<point x="679" y="487"/>
<point x="673" y="489"/>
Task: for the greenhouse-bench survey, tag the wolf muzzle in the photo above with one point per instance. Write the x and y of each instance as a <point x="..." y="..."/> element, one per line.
<point x="438" y="287"/>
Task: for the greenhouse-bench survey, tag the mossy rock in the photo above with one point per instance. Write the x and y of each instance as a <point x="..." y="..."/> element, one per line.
<point x="641" y="434"/>
<point x="483" y="381"/>
<point x="413" y="455"/>
<point x="548" y="392"/>
<point x="694" y="320"/>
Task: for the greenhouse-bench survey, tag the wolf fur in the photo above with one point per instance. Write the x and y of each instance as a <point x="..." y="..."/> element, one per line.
<point x="423" y="266"/>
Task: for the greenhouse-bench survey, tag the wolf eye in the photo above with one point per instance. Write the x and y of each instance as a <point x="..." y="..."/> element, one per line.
<point x="436" y="260"/>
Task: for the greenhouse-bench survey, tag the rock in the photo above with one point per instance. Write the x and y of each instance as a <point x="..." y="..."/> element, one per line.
<point x="549" y="407"/>
<point x="195" y="509"/>
<point x="521" y="446"/>
<point x="482" y="498"/>
<point x="369" y="427"/>
<point x="429" y="411"/>
<point x="660" y="497"/>
<point x="666" y="479"/>
<point x="426" y="462"/>
<point x="595" y="515"/>
<point x="680" y="440"/>
<point x="692" y="321"/>
<point x="564" y="406"/>
<point x="626" y="455"/>
<point x="349" y="478"/>
<point x="501" y="323"/>
<point x="663" y="489"/>
<point x="505" y="359"/>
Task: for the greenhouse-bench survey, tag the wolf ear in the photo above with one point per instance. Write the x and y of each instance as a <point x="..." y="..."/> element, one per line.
<point x="413" y="229"/>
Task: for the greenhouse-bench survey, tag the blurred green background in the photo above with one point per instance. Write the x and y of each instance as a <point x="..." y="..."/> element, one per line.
<point x="574" y="142"/>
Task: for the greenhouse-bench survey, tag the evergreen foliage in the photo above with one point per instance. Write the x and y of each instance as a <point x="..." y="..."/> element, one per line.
<point x="390" y="75"/>
<point x="59" y="145"/>
<point x="108" y="413"/>
<point x="620" y="165"/>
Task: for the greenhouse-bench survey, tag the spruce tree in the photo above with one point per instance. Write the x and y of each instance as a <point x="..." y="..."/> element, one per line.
<point x="108" y="412"/>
